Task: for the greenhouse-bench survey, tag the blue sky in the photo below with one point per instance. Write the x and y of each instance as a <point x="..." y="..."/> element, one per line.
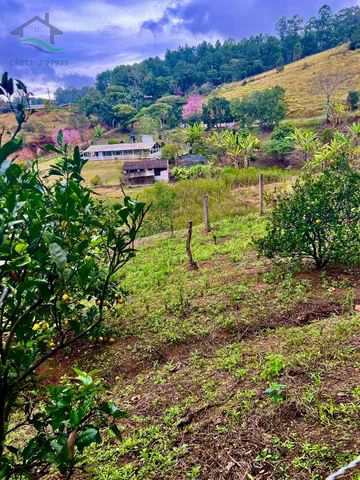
<point x="101" y="34"/>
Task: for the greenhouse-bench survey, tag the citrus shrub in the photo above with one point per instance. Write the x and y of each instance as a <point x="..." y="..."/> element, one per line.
<point x="60" y="254"/>
<point x="318" y="220"/>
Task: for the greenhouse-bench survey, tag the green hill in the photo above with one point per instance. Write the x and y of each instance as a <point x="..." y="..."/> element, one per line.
<point x="301" y="80"/>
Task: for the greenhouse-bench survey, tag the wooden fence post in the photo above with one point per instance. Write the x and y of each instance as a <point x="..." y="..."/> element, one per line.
<point x="261" y="194"/>
<point x="206" y="214"/>
<point x="192" y="264"/>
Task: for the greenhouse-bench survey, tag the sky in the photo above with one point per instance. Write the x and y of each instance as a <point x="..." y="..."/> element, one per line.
<point x="98" y="35"/>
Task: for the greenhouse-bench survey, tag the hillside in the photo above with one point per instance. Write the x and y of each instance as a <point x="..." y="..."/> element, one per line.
<point x="196" y="352"/>
<point x="42" y="128"/>
<point x="301" y="81"/>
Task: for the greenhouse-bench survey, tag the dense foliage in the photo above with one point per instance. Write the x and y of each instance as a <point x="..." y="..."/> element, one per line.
<point x="60" y="253"/>
<point x="319" y="219"/>
<point x="265" y="108"/>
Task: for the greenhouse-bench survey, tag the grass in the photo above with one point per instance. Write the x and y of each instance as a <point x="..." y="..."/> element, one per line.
<point x="300" y="80"/>
<point x="234" y="192"/>
<point x="239" y="370"/>
<point x="109" y="171"/>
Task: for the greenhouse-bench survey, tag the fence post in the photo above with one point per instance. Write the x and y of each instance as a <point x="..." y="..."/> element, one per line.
<point x="192" y="264"/>
<point x="206" y="214"/>
<point x="261" y="194"/>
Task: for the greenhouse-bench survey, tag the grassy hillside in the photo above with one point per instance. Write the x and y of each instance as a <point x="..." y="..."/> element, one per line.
<point x="42" y="128"/>
<point x="301" y="81"/>
<point x="196" y="353"/>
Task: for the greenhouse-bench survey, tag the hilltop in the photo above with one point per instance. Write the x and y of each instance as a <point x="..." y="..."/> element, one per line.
<point x="301" y="81"/>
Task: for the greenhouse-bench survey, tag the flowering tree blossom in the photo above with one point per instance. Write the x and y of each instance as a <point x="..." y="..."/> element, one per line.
<point x="193" y="107"/>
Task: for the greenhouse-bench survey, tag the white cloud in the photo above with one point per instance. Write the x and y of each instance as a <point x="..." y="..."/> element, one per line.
<point x="98" y="16"/>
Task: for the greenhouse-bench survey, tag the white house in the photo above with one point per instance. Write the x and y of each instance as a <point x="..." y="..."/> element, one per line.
<point x="123" y="151"/>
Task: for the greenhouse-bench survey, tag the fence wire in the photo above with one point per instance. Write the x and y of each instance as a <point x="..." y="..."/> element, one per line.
<point x="347" y="469"/>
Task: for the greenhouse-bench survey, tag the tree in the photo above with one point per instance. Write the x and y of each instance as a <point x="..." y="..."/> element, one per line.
<point x="281" y="142"/>
<point x="352" y="100"/>
<point x="239" y="147"/>
<point x="319" y="219"/>
<point x="98" y="131"/>
<point x="124" y="114"/>
<point x="267" y="108"/>
<point x="60" y="253"/>
<point x="329" y="85"/>
<point x="193" y="108"/>
<point x="171" y="152"/>
<point x="194" y="135"/>
<point x="216" y="111"/>
<point x="355" y="39"/>
<point x="306" y="141"/>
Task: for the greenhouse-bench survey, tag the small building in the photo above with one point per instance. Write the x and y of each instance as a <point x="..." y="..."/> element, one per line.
<point x="190" y="160"/>
<point x="145" y="172"/>
<point x="123" y="151"/>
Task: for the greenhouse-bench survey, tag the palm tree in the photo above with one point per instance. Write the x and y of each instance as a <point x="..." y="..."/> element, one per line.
<point x="306" y="141"/>
<point x="238" y="147"/>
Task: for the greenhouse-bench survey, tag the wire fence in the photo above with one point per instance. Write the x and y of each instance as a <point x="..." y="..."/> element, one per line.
<point x="345" y="470"/>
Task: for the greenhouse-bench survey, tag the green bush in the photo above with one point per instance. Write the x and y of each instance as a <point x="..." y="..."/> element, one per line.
<point x="319" y="220"/>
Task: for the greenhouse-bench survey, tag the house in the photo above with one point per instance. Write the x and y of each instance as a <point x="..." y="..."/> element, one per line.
<point x="124" y="151"/>
<point x="191" y="159"/>
<point x="145" y="172"/>
<point x="33" y="25"/>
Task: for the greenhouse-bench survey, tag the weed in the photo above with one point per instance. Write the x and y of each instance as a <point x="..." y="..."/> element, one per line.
<point x="273" y="367"/>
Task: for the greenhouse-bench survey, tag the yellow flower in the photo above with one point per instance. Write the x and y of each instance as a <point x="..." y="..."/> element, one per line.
<point x="66" y="298"/>
<point x="36" y="327"/>
<point x="318" y="221"/>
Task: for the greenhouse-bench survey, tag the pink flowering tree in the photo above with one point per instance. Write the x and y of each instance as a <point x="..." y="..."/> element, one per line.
<point x="193" y="107"/>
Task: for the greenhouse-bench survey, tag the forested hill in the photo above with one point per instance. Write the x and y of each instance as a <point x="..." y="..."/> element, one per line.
<point x="206" y="66"/>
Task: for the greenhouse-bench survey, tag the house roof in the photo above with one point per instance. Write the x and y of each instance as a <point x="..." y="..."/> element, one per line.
<point x="145" y="164"/>
<point x="19" y="30"/>
<point x="192" y="159"/>
<point x="119" y="147"/>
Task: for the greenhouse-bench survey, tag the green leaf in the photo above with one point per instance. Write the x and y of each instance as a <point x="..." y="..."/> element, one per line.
<point x="113" y="410"/>
<point x="58" y="255"/>
<point x="21" y="247"/>
<point x="9" y="148"/>
<point x="87" y="437"/>
<point x="115" y="429"/>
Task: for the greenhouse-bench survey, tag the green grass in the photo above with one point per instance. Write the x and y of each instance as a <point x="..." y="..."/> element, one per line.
<point x="228" y="196"/>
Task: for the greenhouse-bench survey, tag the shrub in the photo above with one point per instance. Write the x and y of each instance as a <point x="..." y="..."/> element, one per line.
<point x="196" y="171"/>
<point x="318" y="220"/>
<point x="352" y="100"/>
<point x="96" y="180"/>
<point x="327" y="135"/>
<point x="281" y="142"/>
